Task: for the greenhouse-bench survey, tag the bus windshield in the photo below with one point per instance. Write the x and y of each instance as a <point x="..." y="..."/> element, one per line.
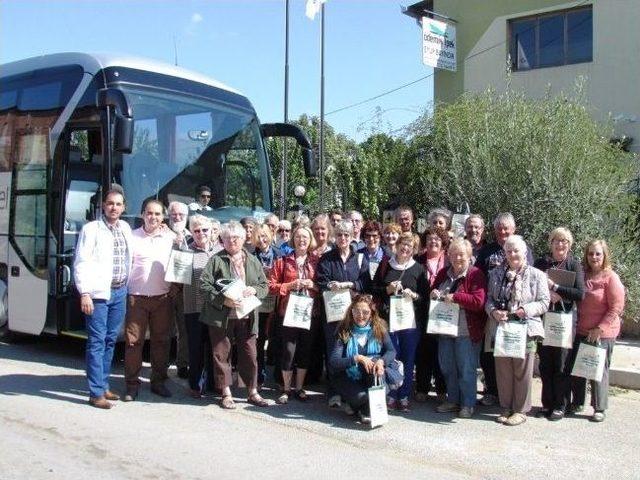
<point x="183" y="142"/>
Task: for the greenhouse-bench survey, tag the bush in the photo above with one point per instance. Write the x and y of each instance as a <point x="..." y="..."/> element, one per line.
<point x="544" y="160"/>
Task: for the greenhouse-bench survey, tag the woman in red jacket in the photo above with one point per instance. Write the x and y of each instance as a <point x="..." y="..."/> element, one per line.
<point x="466" y="286"/>
<point x="598" y="322"/>
<point x="295" y="273"/>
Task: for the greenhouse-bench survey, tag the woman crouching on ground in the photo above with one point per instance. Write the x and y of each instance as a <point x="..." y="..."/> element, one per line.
<point x="362" y="350"/>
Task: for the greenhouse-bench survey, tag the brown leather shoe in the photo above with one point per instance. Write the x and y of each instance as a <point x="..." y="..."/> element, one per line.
<point x="109" y="395"/>
<point x="100" y="402"/>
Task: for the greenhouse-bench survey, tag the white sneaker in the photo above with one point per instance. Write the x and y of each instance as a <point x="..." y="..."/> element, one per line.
<point x="364" y="418"/>
<point x="335" y="401"/>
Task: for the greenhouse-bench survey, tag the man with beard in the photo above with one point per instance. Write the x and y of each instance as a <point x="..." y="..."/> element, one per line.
<point x="178" y="213"/>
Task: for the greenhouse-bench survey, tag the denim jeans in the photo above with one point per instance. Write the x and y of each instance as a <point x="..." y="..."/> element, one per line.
<point x="406" y="342"/>
<point x="458" y="358"/>
<point x="103" y="327"/>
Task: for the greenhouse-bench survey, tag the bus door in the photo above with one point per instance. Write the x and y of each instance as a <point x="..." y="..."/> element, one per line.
<point x="78" y="202"/>
<point x="27" y="259"/>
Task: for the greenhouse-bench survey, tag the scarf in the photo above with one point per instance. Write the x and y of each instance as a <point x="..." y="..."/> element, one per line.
<point x="373" y="348"/>
<point x="266" y="258"/>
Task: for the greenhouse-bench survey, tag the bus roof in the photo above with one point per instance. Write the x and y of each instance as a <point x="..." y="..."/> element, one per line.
<point x="94" y="62"/>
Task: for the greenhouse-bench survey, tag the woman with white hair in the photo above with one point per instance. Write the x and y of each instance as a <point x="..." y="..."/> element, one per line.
<point x="517" y="293"/>
<point x="220" y="313"/>
<point x="555" y="362"/>
<point x="202" y="249"/>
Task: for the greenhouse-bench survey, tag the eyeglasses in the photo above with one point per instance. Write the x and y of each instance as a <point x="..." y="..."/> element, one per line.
<point x="283" y="230"/>
<point x="563" y="241"/>
<point x="201" y="230"/>
<point x="361" y="312"/>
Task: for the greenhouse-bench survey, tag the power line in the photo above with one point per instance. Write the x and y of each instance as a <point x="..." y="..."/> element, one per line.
<point x="387" y="92"/>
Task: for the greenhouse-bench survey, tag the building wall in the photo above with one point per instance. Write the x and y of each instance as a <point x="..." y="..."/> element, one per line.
<point x="612" y="79"/>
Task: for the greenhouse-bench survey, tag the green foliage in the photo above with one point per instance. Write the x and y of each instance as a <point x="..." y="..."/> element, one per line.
<point x="544" y="160"/>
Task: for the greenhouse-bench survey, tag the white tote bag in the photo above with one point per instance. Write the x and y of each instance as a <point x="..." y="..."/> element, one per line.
<point x="589" y="362"/>
<point x="298" y="314"/>
<point x="402" y="316"/>
<point x="443" y="318"/>
<point x="378" y="403"/>
<point x="179" y="267"/>
<point x="511" y="340"/>
<point x="558" y="329"/>
<point x="336" y="304"/>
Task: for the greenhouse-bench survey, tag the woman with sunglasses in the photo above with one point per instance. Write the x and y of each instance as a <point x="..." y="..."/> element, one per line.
<point x="197" y="333"/>
<point x="362" y="349"/>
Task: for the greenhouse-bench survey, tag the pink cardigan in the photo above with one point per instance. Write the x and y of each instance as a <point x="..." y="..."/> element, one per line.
<point x="602" y="305"/>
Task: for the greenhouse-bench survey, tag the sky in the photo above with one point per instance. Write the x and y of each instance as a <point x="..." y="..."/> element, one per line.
<point x="370" y="48"/>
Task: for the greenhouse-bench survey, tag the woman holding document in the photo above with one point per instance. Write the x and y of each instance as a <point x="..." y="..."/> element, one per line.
<point x="402" y="284"/>
<point x="566" y="285"/>
<point x="598" y="322"/>
<point x="292" y="278"/>
<point x="518" y="296"/>
<point x="464" y="287"/>
<point x="231" y="284"/>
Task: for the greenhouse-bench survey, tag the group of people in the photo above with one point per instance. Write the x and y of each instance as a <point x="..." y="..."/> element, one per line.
<point x="272" y="291"/>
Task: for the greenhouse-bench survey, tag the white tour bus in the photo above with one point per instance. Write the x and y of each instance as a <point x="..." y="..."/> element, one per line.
<point x="71" y="124"/>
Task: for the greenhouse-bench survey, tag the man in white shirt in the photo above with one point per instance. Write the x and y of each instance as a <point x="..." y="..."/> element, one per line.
<point x="203" y="197"/>
<point x="149" y="302"/>
<point x="101" y="269"/>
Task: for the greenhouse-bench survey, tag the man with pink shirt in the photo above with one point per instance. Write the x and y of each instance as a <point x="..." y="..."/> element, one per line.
<point x="149" y="304"/>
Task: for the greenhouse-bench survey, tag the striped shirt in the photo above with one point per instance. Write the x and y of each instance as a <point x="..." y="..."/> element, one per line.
<point x="193" y="299"/>
<point x="119" y="274"/>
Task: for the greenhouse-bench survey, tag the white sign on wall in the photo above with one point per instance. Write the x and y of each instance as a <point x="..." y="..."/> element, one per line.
<point x="438" y="44"/>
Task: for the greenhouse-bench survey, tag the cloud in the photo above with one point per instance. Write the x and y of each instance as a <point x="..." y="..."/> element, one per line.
<point x="192" y="26"/>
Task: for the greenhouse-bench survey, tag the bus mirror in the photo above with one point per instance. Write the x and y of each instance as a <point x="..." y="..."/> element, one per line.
<point x="309" y="162"/>
<point x="289" y="130"/>
<point x="123" y="134"/>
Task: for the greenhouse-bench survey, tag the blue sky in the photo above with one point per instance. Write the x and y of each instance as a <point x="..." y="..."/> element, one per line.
<point x="370" y="47"/>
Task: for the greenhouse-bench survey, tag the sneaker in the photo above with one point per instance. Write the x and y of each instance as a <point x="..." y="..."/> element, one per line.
<point x="556" y="415"/>
<point x="465" y="412"/>
<point x="346" y="408"/>
<point x="392" y="403"/>
<point x="447" y="407"/>
<point x="598" y="417"/>
<point x="488" y="400"/>
<point x="421" y="397"/>
<point x="404" y="404"/>
<point x="365" y="419"/>
<point x="283" y="399"/>
<point x="335" y="401"/>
